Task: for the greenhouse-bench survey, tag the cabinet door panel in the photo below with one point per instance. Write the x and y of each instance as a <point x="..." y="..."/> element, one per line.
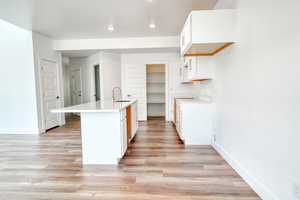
<point x="123" y="137"/>
<point x="186" y="35"/>
<point x="134" y="119"/>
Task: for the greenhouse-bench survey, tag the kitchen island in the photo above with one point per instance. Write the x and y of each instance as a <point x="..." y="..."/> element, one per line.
<point x="106" y="129"/>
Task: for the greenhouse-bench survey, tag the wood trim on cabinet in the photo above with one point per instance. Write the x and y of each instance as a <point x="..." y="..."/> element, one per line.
<point x="187" y="82"/>
<point x="197" y="54"/>
<point x="200" y="80"/>
<point x="222" y="47"/>
<point x="212" y="53"/>
<point x="129" y="123"/>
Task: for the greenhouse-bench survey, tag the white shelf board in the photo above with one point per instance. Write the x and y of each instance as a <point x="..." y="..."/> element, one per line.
<point x="156" y="93"/>
<point x="155" y="82"/>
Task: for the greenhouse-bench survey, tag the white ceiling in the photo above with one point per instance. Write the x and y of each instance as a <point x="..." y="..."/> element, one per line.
<point x="79" y="19"/>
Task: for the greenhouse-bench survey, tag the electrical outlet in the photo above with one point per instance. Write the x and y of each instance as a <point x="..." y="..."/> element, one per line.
<point x="296" y="190"/>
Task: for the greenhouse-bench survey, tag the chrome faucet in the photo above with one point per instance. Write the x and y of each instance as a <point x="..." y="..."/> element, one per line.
<point x="113" y="93"/>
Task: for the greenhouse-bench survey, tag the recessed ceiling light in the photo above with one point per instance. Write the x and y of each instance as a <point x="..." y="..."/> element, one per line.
<point x="152" y="25"/>
<point x="110" y="28"/>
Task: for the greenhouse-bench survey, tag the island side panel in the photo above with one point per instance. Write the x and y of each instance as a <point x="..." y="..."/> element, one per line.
<point x="101" y="140"/>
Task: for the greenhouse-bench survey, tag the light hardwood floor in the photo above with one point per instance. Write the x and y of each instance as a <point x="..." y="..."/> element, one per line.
<point x="156" y="166"/>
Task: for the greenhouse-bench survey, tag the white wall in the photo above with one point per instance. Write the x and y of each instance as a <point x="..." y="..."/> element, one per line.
<point x="258" y="97"/>
<point x="66" y="81"/>
<point x="92" y="61"/>
<point x="110" y="74"/>
<point x="18" y="105"/>
<point x="173" y="62"/>
<point x="43" y="49"/>
<point x="117" y="43"/>
<point x="226" y="4"/>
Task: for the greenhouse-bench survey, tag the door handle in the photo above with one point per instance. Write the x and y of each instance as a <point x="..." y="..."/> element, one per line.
<point x="57" y="97"/>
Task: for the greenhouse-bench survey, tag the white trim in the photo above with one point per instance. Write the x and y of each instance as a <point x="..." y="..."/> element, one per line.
<point x="49" y="60"/>
<point x="255" y="184"/>
<point x="42" y="131"/>
<point x="40" y="98"/>
<point x="167" y="116"/>
<point x="62" y="120"/>
<point x="102" y="80"/>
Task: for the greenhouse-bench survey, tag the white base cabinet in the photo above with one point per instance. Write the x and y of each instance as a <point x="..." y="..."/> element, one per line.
<point x="104" y="136"/>
<point x="194" y="122"/>
<point x="106" y="129"/>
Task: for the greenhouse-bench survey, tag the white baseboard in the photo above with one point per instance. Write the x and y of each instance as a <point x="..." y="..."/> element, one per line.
<point x="256" y="185"/>
<point x="18" y="132"/>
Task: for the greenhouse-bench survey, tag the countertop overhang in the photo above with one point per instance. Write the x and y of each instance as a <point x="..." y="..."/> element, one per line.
<point x="103" y="106"/>
<point x="195" y="101"/>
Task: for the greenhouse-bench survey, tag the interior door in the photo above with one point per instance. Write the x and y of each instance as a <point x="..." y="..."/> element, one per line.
<point x="135" y="87"/>
<point x="76" y="96"/>
<point x="50" y="93"/>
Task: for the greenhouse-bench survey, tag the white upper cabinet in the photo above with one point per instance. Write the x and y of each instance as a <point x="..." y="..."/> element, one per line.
<point x="206" y="32"/>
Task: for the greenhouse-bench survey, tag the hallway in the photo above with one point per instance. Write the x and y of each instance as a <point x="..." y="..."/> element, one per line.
<point x="156" y="166"/>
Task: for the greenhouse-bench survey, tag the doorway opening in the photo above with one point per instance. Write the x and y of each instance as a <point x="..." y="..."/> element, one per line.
<point x="72" y="71"/>
<point x="97" y="83"/>
<point x="76" y="88"/>
<point x="156" y="91"/>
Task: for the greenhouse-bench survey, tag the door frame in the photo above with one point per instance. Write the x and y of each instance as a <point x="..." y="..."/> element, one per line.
<point x="100" y="80"/>
<point x="80" y="73"/>
<point x="61" y="119"/>
<point x="144" y="64"/>
<point x="167" y="117"/>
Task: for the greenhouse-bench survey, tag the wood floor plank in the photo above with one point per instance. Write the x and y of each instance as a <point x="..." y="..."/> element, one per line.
<point x="156" y="166"/>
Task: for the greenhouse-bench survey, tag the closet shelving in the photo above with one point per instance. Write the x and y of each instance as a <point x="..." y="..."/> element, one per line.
<point x="156" y="90"/>
<point x="156" y="93"/>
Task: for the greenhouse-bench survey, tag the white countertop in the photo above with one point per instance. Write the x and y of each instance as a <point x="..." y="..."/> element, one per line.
<point x="99" y="106"/>
<point x="197" y="101"/>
